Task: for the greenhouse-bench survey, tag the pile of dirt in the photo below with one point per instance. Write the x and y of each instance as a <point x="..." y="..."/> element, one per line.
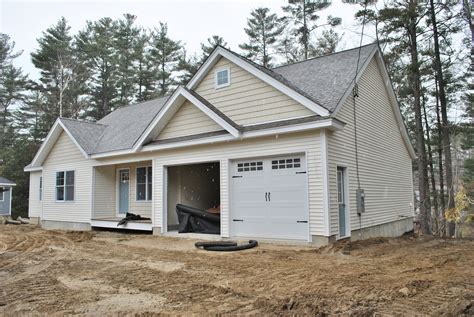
<point x="116" y="273"/>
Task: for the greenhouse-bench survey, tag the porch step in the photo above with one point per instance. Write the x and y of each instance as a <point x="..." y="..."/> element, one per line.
<point x="144" y="225"/>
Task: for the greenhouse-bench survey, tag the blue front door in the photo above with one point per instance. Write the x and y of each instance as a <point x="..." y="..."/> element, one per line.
<point x="124" y="187"/>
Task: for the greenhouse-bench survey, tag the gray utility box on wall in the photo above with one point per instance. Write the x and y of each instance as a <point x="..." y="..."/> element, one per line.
<point x="360" y="201"/>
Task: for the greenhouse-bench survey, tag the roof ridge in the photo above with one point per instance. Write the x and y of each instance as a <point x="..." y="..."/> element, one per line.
<point x="316" y="57"/>
<point x="82" y="121"/>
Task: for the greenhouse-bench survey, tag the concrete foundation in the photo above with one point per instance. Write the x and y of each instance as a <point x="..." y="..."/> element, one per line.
<point x="157" y="231"/>
<point x="34" y="220"/>
<point x="320" y="241"/>
<point x="392" y="229"/>
<point x="64" y="225"/>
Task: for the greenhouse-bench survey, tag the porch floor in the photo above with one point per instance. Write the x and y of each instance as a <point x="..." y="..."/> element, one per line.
<point x="112" y="222"/>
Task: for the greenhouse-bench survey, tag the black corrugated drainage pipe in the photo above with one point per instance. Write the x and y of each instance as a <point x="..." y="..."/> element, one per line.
<point x="225" y="245"/>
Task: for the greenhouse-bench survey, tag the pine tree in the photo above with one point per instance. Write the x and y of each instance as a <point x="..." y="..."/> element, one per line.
<point x="127" y="37"/>
<point x="326" y="43"/>
<point x="97" y="52"/>
<point x="401" y="29"/>
<point x="56" y="61"/>
<point x="30" y="118"/>
<point x="211" y="44"/>
<point x="165" y="55"/>
<point x="144" y="77"/>
<point x="187" y="66"/>
<point x="263" y="31"/>
<point x="303" y="15"/>
<point x="12" y="88"/>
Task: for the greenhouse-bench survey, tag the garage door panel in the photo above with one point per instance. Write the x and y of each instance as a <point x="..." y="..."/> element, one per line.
<point x="283" y="214"/>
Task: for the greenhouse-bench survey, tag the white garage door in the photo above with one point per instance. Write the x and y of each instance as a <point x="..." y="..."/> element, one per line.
<point x="270" y="198"/>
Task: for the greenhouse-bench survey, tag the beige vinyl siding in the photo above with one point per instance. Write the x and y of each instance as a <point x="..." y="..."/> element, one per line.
<point x="104" y="192"/>
<point x="188" y="120"/>
<point x="306" y="142"/>
<point x="66" y="156"/>
<point x="34" y="203"/>
<point x="106" y="189"/>
<point x="384" y="162"/>
<point x="248" y="100"/>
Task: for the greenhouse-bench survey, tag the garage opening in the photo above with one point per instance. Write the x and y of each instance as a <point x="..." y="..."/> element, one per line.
<point x="195" y="186"/>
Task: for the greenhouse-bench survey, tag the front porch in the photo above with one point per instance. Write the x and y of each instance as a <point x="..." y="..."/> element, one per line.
<point x="112" y="222"/>
<point x="119" y="189"/>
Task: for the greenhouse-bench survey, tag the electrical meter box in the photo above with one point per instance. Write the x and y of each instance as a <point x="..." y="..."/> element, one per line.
<point x="360" y="201"/>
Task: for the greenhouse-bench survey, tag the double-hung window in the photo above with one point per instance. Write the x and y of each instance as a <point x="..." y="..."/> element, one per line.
<point x="144" y="183"/>
<point x="65" y="186"/>
<point x="2" y="193"/>
<point x="222" y="78"/>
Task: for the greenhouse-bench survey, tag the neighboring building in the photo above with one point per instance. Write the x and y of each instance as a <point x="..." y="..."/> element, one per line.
<point x="6" y="188"/>
<point x="274" y="150"/>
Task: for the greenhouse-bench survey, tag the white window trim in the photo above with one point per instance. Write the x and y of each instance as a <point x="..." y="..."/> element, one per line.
<point x="56" y="187"/>
<point x="2" y="194"/>
<point x="216" y="85"/>
<point x="41" y="187"/>
<point x="146" y="183"/>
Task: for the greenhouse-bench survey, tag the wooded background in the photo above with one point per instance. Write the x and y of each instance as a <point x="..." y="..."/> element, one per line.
<point x="114" y="63"/>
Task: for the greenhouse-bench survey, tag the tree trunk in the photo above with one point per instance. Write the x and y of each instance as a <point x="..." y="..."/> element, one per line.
<point x="444" y="115"/>
<point x="435" y="224"/>
<point x="305" y="32"/>
<point x="440" y="162"/>
<point x="420" y="137"/>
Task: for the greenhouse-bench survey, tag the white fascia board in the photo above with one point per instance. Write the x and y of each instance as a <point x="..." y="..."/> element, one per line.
<point x="224" y="124"/>
<point x="327" y="123"/>
<point x="49" y="142"/>
<point x="330" y="123"/>
<point x="53" y="134"/>
<point x="393" y="98"/>
<point x="111" y="154"/>
<point x="351" y="87"/>
<point x="220" y="52"/>
<point x="74" y="141"/>
<point x="157" y="119"/>
<point x="6" y="185"/>
<point x="33" y="169"/>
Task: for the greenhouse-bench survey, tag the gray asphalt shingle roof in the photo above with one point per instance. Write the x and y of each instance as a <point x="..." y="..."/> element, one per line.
<point x="323" y="80"/>
<point x="125" y="125"/>
<point x="87" y="134"/>
<point x="3" y="180"/>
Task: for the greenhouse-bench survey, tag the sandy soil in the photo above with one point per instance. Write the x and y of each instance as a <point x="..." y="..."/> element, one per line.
<point x="110" y="273"/>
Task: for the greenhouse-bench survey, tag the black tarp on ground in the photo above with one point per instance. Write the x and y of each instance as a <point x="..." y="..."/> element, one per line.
<point x="198" y="221"/>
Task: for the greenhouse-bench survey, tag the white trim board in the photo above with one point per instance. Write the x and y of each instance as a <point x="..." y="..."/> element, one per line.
<point x="172" y="105"/>
<point x="326" y="123"/>
<point x="393" y="98"/>
<point x="222" y="52"/>
<point x="48" y="144"/>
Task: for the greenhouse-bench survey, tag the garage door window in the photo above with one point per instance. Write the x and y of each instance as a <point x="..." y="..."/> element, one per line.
<point x="250" y="166"/>
<point x="286" y="163"/>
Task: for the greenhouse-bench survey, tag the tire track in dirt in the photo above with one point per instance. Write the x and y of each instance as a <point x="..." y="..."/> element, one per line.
<point x="26" y="246"/>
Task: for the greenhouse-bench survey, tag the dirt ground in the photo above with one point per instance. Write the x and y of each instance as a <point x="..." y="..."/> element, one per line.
<point x="112" y="273"/>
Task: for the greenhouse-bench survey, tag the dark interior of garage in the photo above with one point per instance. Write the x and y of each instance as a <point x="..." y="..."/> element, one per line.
<point x="194" y="185"/>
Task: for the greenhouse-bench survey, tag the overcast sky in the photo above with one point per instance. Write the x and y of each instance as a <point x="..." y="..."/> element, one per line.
<point x="192" y="22"/>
